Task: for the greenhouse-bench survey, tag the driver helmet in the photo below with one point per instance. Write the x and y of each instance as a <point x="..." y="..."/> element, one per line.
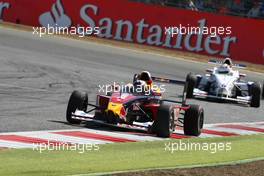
<point x="146" y="76"/>
<point x="228" y="61"/>
<point x="139" y="86"/>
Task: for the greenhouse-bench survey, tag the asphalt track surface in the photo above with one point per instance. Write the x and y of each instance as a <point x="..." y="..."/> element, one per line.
<point x="37" y="76"/>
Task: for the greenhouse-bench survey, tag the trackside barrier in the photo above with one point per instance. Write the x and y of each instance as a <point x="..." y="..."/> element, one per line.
<point x="243" y="39"/>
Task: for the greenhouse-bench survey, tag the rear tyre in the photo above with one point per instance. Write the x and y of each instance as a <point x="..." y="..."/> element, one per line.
<point x="164" y="124"/>
<point x="193" y="120"/>
<point x="78" y="100"/>
<point x="255" y="91"/>
<point x="191" y="80"/>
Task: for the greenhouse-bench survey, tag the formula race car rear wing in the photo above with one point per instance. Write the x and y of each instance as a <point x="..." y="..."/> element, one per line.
<point x="169" y="81"/>
<point x="174" y="81"/>
<point x="214" y="61"/>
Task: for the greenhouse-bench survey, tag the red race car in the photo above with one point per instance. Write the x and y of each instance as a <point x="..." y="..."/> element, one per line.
<point x="138" y="106"/>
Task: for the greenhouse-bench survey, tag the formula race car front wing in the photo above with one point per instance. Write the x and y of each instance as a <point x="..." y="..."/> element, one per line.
<point x="87" y="117"/>
<point x="239" y="99"/>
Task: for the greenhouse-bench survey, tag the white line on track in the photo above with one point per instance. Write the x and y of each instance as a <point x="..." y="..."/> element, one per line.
<point x="231" y="130"/>
<point x="62" y="138"/>
<point x="18" y="145"/>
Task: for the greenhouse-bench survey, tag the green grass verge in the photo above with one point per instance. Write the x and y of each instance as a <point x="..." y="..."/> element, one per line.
<point x="128" y="156"/>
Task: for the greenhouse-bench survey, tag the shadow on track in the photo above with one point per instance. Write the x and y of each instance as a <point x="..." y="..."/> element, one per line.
<point x="101" y="127"/>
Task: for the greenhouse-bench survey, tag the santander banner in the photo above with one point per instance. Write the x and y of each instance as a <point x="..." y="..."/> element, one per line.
<point x="145" y="24"/>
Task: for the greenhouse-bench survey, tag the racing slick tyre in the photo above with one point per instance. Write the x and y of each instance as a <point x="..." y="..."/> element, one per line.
<point x="191" y="80"/>
<point x="164" y="124"/>
<point x="255" y="91"/>
<point x="78" y="100"/>
<point x="193" y="120"/>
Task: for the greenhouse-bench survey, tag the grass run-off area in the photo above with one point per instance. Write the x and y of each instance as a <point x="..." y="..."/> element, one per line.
<point x="131" y="156"/>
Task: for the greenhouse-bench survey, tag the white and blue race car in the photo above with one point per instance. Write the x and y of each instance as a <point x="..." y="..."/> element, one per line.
<point x="225" y="84"/>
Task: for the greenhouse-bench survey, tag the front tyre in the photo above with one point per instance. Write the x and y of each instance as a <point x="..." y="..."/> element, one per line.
<point x="193" y="120"/>
<point x="164" y="124"/>
<point x="255" y="91"/>
<point x="191" y="81"/>
<point x="78" y="100"/>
